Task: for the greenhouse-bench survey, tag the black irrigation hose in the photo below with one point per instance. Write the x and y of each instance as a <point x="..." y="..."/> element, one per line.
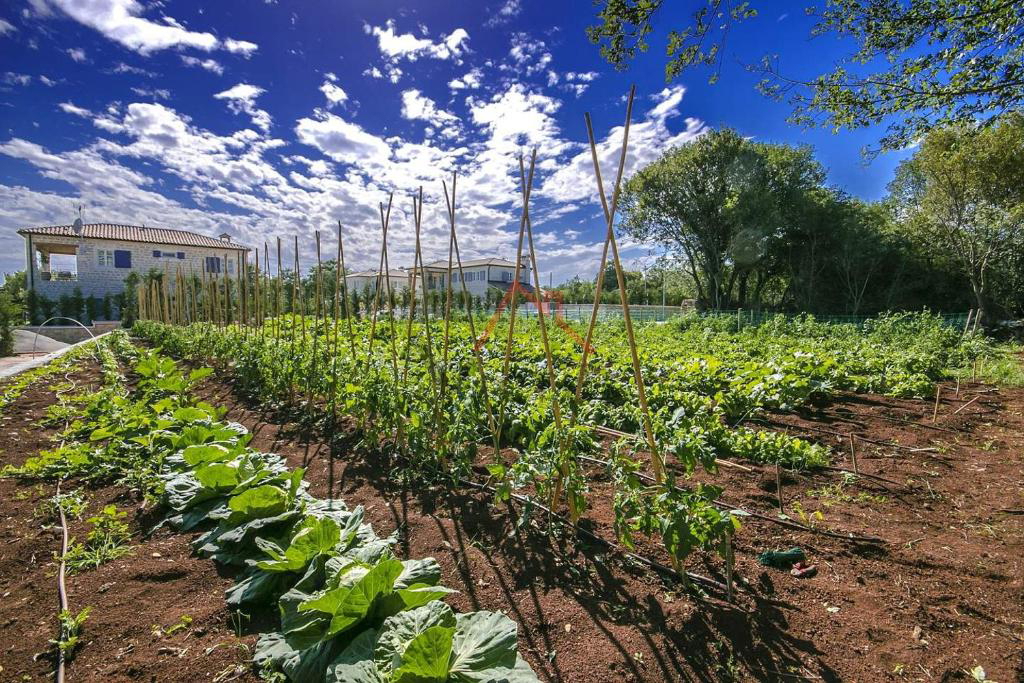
<point x="856" y="538"/>
<point x="653" y="564"/>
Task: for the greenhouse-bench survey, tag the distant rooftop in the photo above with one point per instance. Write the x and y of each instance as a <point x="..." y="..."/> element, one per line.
<point x="472" y="263"/>
<point x="134" y="233"/>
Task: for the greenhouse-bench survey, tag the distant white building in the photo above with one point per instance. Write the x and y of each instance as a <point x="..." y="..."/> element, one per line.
<point x="359" y="282"/>
<point x="98" y="258"/>
<point x="479" y="275"/>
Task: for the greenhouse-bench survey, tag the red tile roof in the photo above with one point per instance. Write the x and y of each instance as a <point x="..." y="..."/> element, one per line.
<point x="134" y="233"/>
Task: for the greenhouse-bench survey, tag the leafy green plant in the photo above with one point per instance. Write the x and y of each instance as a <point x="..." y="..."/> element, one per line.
<point x="107" y="540"/>
<point x="70" y="629"/>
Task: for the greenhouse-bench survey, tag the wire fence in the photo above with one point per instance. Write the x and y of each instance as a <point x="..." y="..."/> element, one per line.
<point x="744" y="317"/>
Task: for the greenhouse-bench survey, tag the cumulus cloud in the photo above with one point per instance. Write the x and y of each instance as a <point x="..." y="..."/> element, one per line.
<point x="6" y="27"/>
<point x="334" y="94"/>
<point x="122" y="22"/>
<point x="211" y="65"/>
<point x="648" y="139"/>
<point x="397" y="46"/>
<point x="242" y="99"/>
<point x="415" y="105"/>
<point x="342" y="140"/>
<point x="471" y="81"/>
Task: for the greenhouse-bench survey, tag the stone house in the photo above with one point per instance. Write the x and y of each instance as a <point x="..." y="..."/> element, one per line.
<point x="96" y="257"/>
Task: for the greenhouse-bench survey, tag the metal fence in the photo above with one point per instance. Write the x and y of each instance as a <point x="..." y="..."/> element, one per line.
<point x="744" y="317"/>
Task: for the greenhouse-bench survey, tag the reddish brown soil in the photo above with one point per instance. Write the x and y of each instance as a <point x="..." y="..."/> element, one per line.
<point x="943" y="595"/>
<point x="130" y="598"/>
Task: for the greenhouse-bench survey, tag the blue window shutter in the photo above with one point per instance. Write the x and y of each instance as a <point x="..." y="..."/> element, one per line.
<point x="122" y="258"/>
<point x="181" y="254"/>
<point x="156" y="253"/>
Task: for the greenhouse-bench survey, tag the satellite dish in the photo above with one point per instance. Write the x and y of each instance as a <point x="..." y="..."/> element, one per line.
<point x="77" y="225"/>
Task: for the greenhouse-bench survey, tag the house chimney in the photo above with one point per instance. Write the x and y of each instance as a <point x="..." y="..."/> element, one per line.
<point x="225" y="237"/>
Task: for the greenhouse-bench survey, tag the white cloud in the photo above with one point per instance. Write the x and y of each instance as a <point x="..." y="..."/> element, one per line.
<point x="470" y="81"/>
<point x="508" y="10"/>
<point x="648" y="139"/>
<point x="334" y="94"/>
<point x="121" y="21"/>
<point x="415" y="105"/>
<point x="6" y="27"/>
<point x="47" y="81"/>
<point x="76" y="53"/>
<point x="11" y="78"/>
<point x="122" y="68"/>
<point x="242" y="99"/>
<point x="341" y="140"/>
<point x="211" y="65"/>
<point x="155" y="93"/>
<point x="69" y="108"/>
<point x="530" y="55"/>
<point x="240" y="47"/>
<point x="395" y="46"/>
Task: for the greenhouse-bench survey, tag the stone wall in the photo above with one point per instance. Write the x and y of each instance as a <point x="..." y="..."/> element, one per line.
<point x="98" y="281"/>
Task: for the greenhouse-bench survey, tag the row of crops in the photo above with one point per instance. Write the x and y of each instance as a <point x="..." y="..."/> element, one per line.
<point x="350" y="610"/>
<point x="447" y="403"/>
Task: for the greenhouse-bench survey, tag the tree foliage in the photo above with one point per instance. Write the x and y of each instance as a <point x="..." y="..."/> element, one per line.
<point x="962" y="194"/>
<point x="915" y="64"/>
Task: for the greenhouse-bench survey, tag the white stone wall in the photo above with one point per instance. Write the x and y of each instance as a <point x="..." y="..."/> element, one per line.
<point x="96" y="280"/>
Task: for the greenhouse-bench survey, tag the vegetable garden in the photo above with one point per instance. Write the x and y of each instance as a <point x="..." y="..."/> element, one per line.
<point x="627" y="489"/>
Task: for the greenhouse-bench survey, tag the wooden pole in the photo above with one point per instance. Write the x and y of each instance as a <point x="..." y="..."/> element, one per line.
<point x="935" y="412"/>
<point x="472" y="331"/>
<point x="853" y="453"/>
<point x="344" y="296"/>
<point x="311" y="378"/>
<point x="778" y="486"/>
<point x="526" y="187"/>
<point x="656" y="460"/>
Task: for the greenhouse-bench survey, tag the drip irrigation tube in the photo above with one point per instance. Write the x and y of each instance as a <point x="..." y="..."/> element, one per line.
<point x="62" y="590"/>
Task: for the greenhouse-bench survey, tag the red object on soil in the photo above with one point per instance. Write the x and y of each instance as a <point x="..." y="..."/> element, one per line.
<point x="802" y="570"/>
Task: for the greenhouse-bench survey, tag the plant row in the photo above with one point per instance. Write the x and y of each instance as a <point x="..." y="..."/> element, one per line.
<point x="350" y="610"/>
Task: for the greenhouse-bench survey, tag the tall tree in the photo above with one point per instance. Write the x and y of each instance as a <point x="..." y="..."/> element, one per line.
<point x="915" y="64"/>
<point x="716" y="202"/>
<point x="963" y="190"/>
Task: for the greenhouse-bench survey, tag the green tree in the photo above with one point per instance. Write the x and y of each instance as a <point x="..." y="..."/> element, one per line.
<point x="716" y="202"/>
<point x="915" y="64"/>
<point x="963" y="193"/>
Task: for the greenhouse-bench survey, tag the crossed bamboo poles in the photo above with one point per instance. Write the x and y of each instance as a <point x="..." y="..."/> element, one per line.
<point x="246" y="303"/>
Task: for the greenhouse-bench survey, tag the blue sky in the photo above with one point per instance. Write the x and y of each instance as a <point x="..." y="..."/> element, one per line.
<point x="271" y="119"/>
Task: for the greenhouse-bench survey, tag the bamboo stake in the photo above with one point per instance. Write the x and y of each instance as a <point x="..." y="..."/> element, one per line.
<point x="778" y="486"/>
<point x="729" y="560"/>
<point x="503" y="393"/>
<point x="316" y="324"/>
<point x="599" y="284"/>
<point x="344" y="296"/>
<point x="935" y="412"/>
<point x="390" y="296"/>
<point x="957" y="411"/>
<point x="278" y="286"/>
<point x="659" y="467"/>
<point x="853" y="453"/>
<point x="526" y="187"/>
<point x="294" y="332"/>
<point x="418" y="213"/>
<point x="385" y="218"/>
<point x="472" y="330"/>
